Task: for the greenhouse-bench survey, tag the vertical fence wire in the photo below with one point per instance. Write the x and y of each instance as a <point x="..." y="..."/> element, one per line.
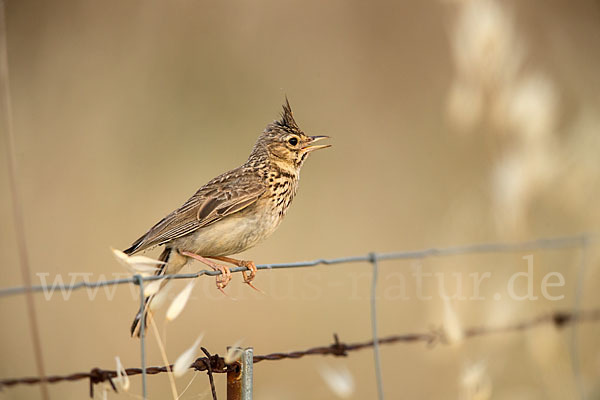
<point x="6" y="109"/>
<point x="574" y="345"/>
<point x="376" y="355"/>
<point x="140" y="282"/>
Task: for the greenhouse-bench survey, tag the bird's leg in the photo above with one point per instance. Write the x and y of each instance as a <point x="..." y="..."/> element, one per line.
<point x="223" y="279"/>
<point x="241" y="263"/>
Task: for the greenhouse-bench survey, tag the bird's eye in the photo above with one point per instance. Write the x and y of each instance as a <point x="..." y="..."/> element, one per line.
<point x="293" y="141"/>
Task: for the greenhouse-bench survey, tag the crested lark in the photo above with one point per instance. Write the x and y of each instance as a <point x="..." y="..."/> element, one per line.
<point x="235" y="210"/>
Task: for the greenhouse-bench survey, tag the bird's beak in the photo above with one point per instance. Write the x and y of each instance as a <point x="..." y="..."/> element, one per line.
<point x="313" y="139"/>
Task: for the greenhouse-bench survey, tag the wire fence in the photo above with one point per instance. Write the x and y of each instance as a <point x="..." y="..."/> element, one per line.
<point x="216" y="364"/>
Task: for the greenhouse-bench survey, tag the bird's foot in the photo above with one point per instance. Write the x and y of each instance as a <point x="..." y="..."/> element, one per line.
<point x="248" y="275"/>
<point x="223" y="279"/>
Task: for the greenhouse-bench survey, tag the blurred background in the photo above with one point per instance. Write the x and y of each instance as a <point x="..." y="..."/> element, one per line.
<point x="453" y="122"/>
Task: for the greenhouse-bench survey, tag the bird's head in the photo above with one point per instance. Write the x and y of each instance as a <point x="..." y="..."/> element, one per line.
<point x="285" y="143"/>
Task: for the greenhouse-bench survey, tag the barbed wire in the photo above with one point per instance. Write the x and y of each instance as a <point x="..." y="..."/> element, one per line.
<point x="495" y="247"/>
<point x="217" y="364"/>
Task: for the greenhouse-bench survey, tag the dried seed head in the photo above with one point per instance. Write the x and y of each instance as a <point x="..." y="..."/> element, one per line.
<point x="186" y="359"/>
<point x="475" y="383"/>
<point x="234" y="352"/>
<point x="122" y="380"/>
<point x="339" y="379"/>
<point x="160" y="297"/>
<point x="103" y="392"/>
<point x="152" y="287"/>
<point x="180" y="301"/>
<point x="485" y="46"/>
<point x="532" y="109"/>
<point x="137" y="264"/>
<point x="452" y="329"/>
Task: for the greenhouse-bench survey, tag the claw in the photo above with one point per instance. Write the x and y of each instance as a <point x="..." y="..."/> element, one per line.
<point x="255" y="288"/>
<point x="248" y="279"/>
<point x="221" y="290"/>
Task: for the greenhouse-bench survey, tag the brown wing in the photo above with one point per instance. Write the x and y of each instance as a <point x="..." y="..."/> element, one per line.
<point x="223" y="196"/>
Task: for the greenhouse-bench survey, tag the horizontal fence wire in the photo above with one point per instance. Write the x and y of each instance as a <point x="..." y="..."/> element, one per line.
<point x="217" y="364"/>
<point x="497" y="247"/>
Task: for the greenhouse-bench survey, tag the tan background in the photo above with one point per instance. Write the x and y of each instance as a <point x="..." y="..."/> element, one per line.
<point x="123" y="108"/>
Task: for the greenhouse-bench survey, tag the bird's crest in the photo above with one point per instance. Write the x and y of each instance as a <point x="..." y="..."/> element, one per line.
<point x="287" y="117"/>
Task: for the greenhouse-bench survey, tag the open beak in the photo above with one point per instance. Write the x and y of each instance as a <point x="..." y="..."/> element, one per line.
<point x="313" y="139"/>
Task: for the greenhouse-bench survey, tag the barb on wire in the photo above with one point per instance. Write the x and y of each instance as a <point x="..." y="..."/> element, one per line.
<point x="498" y="247"/>
<point x="211" y="380"/>
<point x="216" y="364"/>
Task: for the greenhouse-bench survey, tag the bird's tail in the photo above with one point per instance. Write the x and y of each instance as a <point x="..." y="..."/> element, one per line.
<point x="135" y="331"/>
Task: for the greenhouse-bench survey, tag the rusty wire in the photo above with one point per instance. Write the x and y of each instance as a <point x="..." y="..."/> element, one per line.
<point x="216" y="364"/>
<point x="209" y="371"/>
